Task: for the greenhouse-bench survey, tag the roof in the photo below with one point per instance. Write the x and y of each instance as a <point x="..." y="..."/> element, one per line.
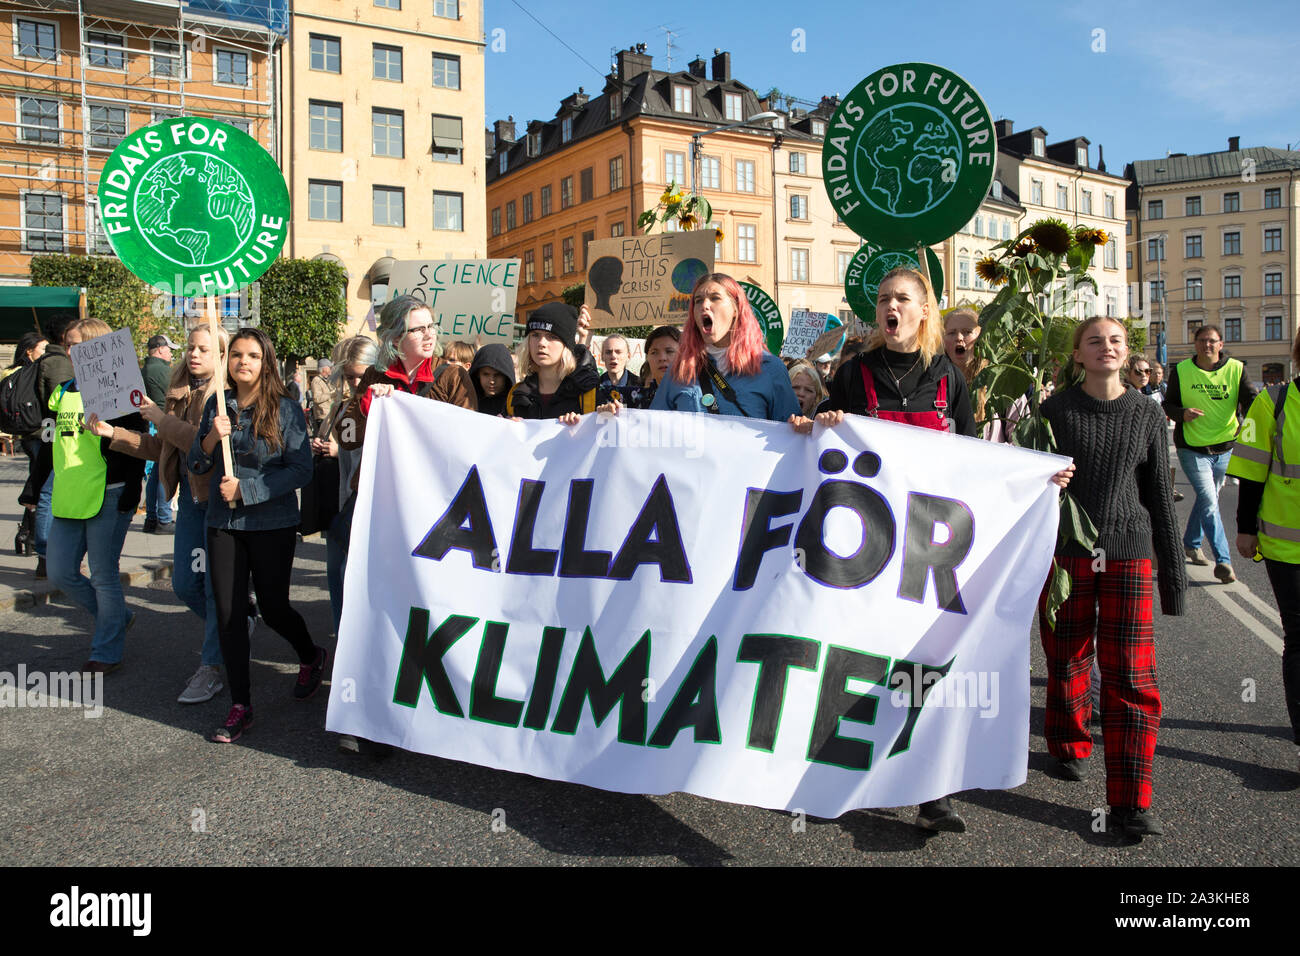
<point x="20" y="307"/>
<point x="1227" y="164"/>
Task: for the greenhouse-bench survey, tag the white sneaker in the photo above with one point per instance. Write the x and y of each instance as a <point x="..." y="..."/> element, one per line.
<point x="204" y="685"/>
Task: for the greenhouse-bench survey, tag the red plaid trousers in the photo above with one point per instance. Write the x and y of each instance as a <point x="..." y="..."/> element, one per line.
<point x="1115" y="605"/>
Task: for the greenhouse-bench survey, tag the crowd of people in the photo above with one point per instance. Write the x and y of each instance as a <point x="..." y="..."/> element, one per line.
<point x="1111" y="413"/>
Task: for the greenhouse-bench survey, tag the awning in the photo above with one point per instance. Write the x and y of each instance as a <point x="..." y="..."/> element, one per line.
<point x="28" y="308"/>
<point x="377" y="274"/>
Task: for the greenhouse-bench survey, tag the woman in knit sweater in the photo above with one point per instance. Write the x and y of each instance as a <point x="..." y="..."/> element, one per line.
<point x="1117" y="439"/>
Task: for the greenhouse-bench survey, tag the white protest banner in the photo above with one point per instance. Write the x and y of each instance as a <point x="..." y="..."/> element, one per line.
<point x="471" y="299"/>
<point x="646" y="280"/>
<point x="664" y="601"/>
<point x="108" y="375"/>
<point x="804" y="330"/>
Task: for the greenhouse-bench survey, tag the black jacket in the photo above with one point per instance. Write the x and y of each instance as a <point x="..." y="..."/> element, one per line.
<point x="577" y="393"/>
<point x="496" y="357"/>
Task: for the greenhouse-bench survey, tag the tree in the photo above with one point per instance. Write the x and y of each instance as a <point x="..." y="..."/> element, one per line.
<point x="302" y="307"/>
<point x="113" y="294"/>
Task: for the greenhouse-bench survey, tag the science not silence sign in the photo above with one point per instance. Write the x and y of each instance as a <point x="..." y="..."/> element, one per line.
<point x="193" y="206"/>
<point x="472" y="300"/>
<point x="909" y="155"/>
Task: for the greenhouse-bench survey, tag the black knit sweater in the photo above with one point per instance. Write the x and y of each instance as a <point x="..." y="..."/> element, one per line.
<point x="1122" y="480"/>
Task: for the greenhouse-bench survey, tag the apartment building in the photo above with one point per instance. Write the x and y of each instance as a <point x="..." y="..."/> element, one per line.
<point x="1212" y="237"/>
<point x="1000" y="217"/>
<point x="383" y="143"/>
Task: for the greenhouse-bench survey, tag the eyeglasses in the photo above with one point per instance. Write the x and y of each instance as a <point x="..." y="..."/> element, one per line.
<point x="1143" y="371"/>
<point x="424" y="331"/>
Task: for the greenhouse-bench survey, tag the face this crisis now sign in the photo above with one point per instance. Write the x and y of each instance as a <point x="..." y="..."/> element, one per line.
<point x="664" y="601"/>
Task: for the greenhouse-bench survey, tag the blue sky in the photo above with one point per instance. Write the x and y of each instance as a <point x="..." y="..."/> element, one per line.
<point x="1178" y="77"/>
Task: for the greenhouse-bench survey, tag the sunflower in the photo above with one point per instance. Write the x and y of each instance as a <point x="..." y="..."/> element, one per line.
<point x="667" y="197"/>
<point x="1023" y="248"/>
<point x="989" y="270"/>
<point x="1086" y="236"/>
<point x="720" y="235"/>
<point x="1052" y="236"/>
<point x="687" y="221"/>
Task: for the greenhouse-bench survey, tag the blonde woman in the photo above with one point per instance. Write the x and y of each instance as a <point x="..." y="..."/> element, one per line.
<point x="808" y="387"/>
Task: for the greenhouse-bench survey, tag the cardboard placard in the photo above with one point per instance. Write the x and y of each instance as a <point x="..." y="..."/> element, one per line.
<point x="108" y="375"/>
<point x="804" y="330"/>
<point x="472" y="300"/>
<point x="646" y="280"/>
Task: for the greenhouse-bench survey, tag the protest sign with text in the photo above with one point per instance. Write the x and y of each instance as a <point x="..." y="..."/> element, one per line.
<point x="805" y="329"/>
<point x="471" y="299"/>
<point x="108" y="375"/>
<point x="646" y="280"/>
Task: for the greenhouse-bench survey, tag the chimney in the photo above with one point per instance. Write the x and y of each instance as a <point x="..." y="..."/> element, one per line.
<point x="573" y="102"/>
<point x="1003" y="128"/>
<point x="696" y="67"/>
<point x="503" y="132"/>
<point x="721" y="66"/>
<point x="1234" y="144"/>
<point x="1101" y="160"/>
<point x="633" y="62"/>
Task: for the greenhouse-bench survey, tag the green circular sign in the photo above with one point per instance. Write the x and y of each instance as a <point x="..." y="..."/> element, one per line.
<point x="769" y="316"/>
<point x="909" y="155"/>
<point x="869" y="265"/>
<point x="193" y="206"/>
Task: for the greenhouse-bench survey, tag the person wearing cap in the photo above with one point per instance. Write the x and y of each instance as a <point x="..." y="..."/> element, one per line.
<point x="553" y="383"/>
<point x="157" y="374"/>
<point x="823" y="365"/>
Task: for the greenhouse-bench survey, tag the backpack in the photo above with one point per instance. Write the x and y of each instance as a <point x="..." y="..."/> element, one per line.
<point x="20" y="407"/>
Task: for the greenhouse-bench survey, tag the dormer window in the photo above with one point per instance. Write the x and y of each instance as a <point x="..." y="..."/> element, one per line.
<point x="1038" y="146"/>
<point x="731" y="107"/>
<point x="819" y="127"/>
<point x="1082" y="155"/>
<point x="566" y="129"/>
<point x="681" y="98"/>
<point x="535" y="143"/>
<point x="997" y="189"/>
<point x="615" y="107"/>
<point x="502" y="163"/>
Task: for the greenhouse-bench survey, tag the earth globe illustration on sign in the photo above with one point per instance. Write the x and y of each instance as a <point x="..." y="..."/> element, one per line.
<point x="879" y="266"/>
<point x="686" y="273"/>
<point x="195" y="209"/>
<point x="907" y="159"/>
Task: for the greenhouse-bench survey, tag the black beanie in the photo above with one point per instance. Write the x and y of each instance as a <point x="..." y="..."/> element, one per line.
<point x="559" y="319"/>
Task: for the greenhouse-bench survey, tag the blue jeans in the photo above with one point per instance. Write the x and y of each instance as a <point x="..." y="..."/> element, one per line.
<point x="1206" y="474"/>
<point x="336" y="556"/>
<point x="157" y="506"/>
<point x="190" y="580"/>
<point x="43" y="516"/>
<point x="101" y="594"/>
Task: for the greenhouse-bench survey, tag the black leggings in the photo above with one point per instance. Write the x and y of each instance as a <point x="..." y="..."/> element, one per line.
<point x="268" y="557"/>
<point x="1285" y="579"/>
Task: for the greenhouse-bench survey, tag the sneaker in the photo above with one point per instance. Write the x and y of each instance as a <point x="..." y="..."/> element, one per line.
<point x="203" y="686"/>
<point x="1136" y="821"/>
<point x="1071" y="768"/>
<point x="349" y="744"/>
<point x="310" y="675"/>
<point x="1195" y="557"/>
<point x="1224" y="573"/>
<point x="238" y="720"/>
<point x="150" y="526"/>
<point x="168" y="527"/>
<point x="938" y="815"/>
<point x="100" y="667"/>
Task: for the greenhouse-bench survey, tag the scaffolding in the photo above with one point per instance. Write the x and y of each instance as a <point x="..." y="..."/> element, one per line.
<point x="140" y="56"/>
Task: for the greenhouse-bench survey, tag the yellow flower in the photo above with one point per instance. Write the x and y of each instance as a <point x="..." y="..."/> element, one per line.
<point x="1023" y="248"/>
<point x="687" y="221"/>
<point x="989" y="270"/>
<point x="1052" y="236"/>
<point x="1090" y="237"/>
<point x="721" y="235"/>
<point x="667" y="197"/>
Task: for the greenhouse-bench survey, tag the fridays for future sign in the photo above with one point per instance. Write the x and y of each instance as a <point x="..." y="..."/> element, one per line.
<point x="472" y="300"/>
<point x="646" y="280"/>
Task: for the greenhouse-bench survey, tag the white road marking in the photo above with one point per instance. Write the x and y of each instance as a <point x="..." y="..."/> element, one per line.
<point x="1218" y="591"/>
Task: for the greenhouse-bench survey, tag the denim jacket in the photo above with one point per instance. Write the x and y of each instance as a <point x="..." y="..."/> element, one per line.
<point x="268" y="479"/>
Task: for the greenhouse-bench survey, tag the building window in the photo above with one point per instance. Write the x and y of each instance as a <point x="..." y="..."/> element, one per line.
<point x="675" y="168"/>
<point x="1195" y="290"/>
<point x="963" y="273"/>
<point x="1193" y="326"/>
<point x="1232" y="202"/>
<point x="587" y="239"/>
<point x="586" y="187"/>
<point x="324" y="200"/>
<point x="731" y="107"/>
<point x="510" y="215"/>
<point x="106" y="50"/>
<point x="545" y="193"/>
<point x="107" y="126"/>
<point x="1128" y="227"/>
<point x="1085" y="202"/>
<point x="503" y="163"/>
<point x="1036" y="192"/>
<point x="1128" y="259"/>
<point x="39" y="120"/>
<point x="166" y="59"/>
<point x="616" y="173"/>
<point x="615" y="106"/>
<point x="1272" y="283"/>
<point x="842" y="260"/>
<point x="43" y="222"/>
<point x="710" y="173"/>
<point x="1108" y="204"/>
<point x="1232" y="287"/>
<point x="325" y="126"/>
<point x="1062" y="197"/>
<point x="386" y="133"/>
<point x="681" y="98"/>
<point x="799" y="265"/>
<point x="447" y="9"/>
<point x="1192" y="205"/>
<point x="566" y="129"/>
<point x="1111" y="254"/>
<point x="1273" y="240"/>
<point x="798" y="207"/>
<point x="1232" y="243"/>
<point x="798" y="162"/>
<point x="446" y="72"/>
<point x="1081" y="156"/>
<point x="548" y="261"/>
<point x="496" y="221"/>
<point x="1273" y="328"/>
<point x="979" y="225"/>
<point x="1155" y="249"/>
<point x="567" y="264"/>
<point x="389" y="206"/>
<point x="1232" y="329"/>
<point x="448" y="211"/>
<point x="1112" y="303"/>
<point x="615" y="229"/>
<point x="566" y="192"/>
<point x="1157" y="291"/>
<point x="535" y="143"/>
<point x="746" y="244"/>
<point x="527" y="208"/>
<point x="1006" y="228"/>
<point x="448" y="146"/>
<point x="232" y="68"/>
<point x="1192" y="247"/>
<point x="325" y="53"/>
<point x="744" y="175"/>
<point x="1273" y="198"/>
<point x="389" y="4"/>
<point x="530" y="267"/>
<point x="38" y="41"/>
<point x="1038" y="146"/>
<point x="387" y="62"/>
<point x="819" y="127"/>
<point x="1155" y="209"/>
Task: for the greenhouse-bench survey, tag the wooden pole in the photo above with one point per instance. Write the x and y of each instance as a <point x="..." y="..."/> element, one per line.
<point x="219" y="371"/>
<point x="923" y="264"/>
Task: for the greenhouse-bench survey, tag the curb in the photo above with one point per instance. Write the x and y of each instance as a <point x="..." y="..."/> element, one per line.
<point x="150" y="571"/>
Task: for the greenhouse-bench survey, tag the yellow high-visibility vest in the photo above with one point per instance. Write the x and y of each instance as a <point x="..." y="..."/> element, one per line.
<point x="1268" y="450"/>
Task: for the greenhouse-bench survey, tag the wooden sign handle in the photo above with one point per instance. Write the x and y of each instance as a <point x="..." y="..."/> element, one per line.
<point x="219" y="371"/>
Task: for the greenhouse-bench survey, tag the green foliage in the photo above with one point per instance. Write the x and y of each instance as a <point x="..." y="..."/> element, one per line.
<point x="575" y="294"/>
<point x="690" y="211"/>
<point x="1137" y="335"/>
<point x="113" y="293"/>
<point x="302" y="306"/>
